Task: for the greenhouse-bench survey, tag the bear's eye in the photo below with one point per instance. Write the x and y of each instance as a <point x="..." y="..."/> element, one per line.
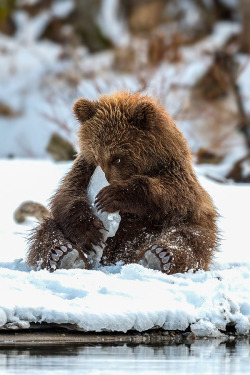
<point x="116" y="160"/>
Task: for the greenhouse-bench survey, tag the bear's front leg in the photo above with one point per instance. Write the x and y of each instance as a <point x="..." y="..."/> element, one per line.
<point x="80" y="225"/>
<point x="71" y="210"/>
<point x="71" y="225"/>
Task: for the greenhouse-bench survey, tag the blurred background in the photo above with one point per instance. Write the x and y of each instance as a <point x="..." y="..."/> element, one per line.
<point x="193" y="55"/>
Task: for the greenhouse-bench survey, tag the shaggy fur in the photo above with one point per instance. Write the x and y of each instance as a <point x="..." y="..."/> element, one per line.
<point x="168" y="220"/>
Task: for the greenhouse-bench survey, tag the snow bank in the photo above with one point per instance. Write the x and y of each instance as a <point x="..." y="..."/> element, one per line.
<point x="132" y="298"/>
<point x="120" y="298"/>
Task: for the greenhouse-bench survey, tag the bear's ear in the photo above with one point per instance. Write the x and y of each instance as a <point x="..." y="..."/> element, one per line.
<point x="84" y="109"/>
<point x="144" y="115"/>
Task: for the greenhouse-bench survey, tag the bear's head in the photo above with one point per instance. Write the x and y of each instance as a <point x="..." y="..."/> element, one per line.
<point x="129" y="135"/>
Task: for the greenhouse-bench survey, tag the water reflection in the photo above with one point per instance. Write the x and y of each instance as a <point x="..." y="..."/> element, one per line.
<point x="202" y="357"/>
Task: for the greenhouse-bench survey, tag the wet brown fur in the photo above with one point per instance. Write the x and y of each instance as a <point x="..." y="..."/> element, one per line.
<point x="152" y="184"/>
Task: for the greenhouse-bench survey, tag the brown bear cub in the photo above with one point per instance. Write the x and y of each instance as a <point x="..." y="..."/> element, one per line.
<point x="168" y="221"/>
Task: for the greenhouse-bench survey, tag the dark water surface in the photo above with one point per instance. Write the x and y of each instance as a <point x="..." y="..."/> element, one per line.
<point x="202" y="357"/>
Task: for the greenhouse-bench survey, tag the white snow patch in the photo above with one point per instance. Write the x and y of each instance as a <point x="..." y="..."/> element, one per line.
<point x="120" y="298"/>
<point x="110" y="221"/>
<point x="113" y="26"/>
<point x="62" y="9"/>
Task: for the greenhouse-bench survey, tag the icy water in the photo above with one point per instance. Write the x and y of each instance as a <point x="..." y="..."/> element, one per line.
<point x="202" y="357"/>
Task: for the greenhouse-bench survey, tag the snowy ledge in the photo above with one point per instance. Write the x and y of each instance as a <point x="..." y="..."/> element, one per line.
<point x="133" y="298"/>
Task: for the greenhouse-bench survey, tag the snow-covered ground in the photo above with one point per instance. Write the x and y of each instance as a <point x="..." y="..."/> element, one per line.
<point x="122" y="297"/>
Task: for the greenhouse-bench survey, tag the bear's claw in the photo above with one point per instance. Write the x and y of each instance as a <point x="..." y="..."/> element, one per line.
<point x="59" y="252"/>
<point x="163" y="255"/>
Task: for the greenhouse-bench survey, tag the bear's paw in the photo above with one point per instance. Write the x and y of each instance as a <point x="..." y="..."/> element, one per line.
<point x="158" y="258"/>
<point x="67" y="256"/>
